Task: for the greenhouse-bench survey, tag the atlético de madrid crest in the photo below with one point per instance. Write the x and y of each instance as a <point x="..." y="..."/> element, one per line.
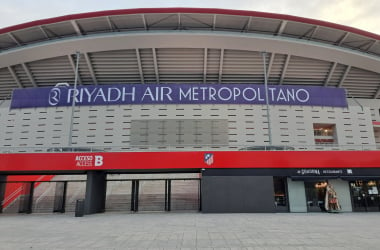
<point x="209" y="158"/>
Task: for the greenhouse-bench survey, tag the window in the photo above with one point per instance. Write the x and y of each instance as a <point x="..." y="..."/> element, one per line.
<point x="324" y="133"/>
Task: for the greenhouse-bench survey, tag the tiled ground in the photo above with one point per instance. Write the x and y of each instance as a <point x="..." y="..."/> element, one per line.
<point x="191" y="231"/>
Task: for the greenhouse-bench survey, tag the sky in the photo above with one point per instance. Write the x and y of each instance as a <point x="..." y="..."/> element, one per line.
<point x="360" y="14"/>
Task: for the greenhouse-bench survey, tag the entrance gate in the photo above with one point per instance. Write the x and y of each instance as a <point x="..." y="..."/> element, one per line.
<point x="154" y="195"/>
<point x="60" y="196"/>
<point x="43" y="196"/>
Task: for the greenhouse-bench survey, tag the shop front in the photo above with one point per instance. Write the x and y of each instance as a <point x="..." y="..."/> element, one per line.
<point x="335" y="190"/>
<point x="365" y="195"/>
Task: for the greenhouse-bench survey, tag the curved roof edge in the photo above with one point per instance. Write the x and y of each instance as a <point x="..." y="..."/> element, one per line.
<point x="190" y="10"/>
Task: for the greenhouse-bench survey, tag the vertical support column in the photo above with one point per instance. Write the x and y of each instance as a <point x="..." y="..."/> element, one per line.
<point x="264" y="54"/>
<point x="168" y="187"/>
<point x="96" y="185"/>
<point x="200" y="195"/>
<point x="26" y="201"/>
<point x="297" y="196"/>
<point x="166" y="195"/>
<point x="74" y="100"/>
<point x="3" y="184"/>
<point x="135" y="196"/>
<point x="60" y="197"/>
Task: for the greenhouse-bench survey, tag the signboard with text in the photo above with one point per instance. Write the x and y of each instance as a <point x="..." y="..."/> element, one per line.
<point x="282" y="163"/>
<point x="120" y="94"/>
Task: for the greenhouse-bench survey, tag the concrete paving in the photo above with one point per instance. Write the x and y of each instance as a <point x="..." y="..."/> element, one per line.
<point x="191" y="231"/>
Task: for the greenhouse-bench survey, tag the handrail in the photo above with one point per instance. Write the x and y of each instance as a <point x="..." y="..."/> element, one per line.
<point x="191" y="147"/>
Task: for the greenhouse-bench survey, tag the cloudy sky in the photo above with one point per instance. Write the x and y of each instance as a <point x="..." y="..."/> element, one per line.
<point x="355" y="13"/>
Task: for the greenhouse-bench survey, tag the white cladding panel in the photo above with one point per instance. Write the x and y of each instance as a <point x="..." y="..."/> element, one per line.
<point x="110" y="126"/>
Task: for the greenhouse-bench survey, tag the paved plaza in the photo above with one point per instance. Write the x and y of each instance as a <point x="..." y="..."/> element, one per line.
<point x="191" y="231"/>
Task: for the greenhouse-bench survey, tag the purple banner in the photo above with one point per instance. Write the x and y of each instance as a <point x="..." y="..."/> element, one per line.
<point x="178" y="94"/>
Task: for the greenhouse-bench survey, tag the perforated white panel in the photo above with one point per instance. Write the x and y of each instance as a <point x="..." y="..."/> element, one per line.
<point x="110" y="126"/>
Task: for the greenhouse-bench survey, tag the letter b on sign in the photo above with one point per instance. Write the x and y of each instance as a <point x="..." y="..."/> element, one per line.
<point x="98" y="160"/>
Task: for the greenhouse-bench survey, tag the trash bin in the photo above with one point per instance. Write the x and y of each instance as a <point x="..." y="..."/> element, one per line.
<point x="79" y="208"/>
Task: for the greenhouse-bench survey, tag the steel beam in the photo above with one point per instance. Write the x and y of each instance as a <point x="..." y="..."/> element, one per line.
<point x="90" y="68"/>
<point x="204" y="65"/>
<point x="344" y="76"/>
<point x="140" y="66"/>
<point x="162" y="19"/>
<point x="156" y="65"/>
<point x="144" y="22"/>
<point x="52" y="34"/>
<point x="73" y="66"/>
<point x="44" y="32"/>
<point x="271" y="60"/>
<point x="282" y="28"/>
<point x="286" y="64"/>
<point x="371" y="44"/>
<point x="179" y="21"/>
<point x="29" y="74"/>
<point x="76" y="27"/>
<point x="332" y="69"/>
<point x="198" y="21"/>
<point x="15" y="77"/>
<point x="313" y="32"/>
<point x="221" y="65"/>
<point x="14" y="39"/>
<point x="247" y="25"/>
<point x="310" y="33"/>
<point x="377" y="93"/>
<point x="111" y="24"/>
<point x="341" y="40"/>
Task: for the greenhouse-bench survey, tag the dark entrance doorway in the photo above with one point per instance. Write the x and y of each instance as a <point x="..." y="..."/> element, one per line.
<point x="315" y="195"/>
<point x="280" y="194"/>
<point x="174" y="194"/>
<point x="365" y="195"/>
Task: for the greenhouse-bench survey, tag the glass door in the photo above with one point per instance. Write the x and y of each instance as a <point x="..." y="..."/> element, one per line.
<point x="315" y="196"/>
<point x="365" y="196"/>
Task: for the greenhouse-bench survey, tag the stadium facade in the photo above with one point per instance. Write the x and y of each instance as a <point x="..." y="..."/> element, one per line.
<point x="268" y="109"/>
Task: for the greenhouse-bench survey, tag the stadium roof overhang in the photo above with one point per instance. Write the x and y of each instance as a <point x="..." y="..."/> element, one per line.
<point x="189" y="45"/>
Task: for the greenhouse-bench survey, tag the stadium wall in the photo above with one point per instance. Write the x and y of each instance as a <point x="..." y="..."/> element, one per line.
<point x="111" y="127"/>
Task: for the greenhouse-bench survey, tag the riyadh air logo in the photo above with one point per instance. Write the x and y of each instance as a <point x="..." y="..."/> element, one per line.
<point x="89" y="160"/>
<point x="54" y="96"/>
<point x="209" y="158"/>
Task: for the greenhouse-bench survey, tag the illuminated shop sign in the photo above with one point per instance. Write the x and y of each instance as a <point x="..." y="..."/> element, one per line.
<point x="323" y="172"/>
<point x="178" y="94"/>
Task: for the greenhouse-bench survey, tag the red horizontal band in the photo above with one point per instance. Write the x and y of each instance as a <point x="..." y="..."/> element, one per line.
<point x="187" y="160"/>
